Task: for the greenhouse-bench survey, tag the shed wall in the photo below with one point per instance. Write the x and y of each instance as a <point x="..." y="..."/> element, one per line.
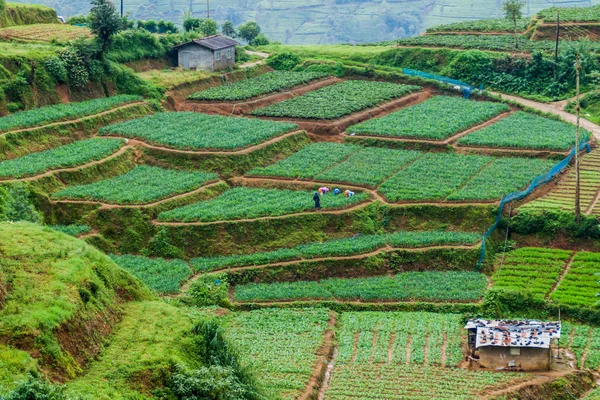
<point x="202" y="58"/>
<point x="530" y="359"/>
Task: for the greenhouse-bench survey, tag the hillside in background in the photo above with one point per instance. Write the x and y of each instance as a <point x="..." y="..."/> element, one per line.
<point x="324" y="21"/>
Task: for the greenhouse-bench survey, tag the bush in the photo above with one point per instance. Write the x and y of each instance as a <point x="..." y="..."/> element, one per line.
<point x="160" y="246"/>
<point x="16" y="205"/>
<point x="260" y="40"/>
<point x="551" y="223"/>
<point x="57" y="69"/>
<point x="76" y="68"/>
<point x="283" y="61"/>
<point x="208" y="291"/>
<point x="35" y="389"/>
<point x="326" y="67"/>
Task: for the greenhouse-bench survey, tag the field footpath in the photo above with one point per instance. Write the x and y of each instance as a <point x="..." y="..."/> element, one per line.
<point x="251" y="64"/>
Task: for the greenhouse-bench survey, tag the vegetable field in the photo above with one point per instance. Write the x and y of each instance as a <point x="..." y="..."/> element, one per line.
<point x="562" y="197"/>
<point x="143" y="184"/>
<point x="60" y="112"/>
<point x="525" y="131"/>
<point x="243" y="202"/>
<point x="571" y="14"/>
<point x="337" y="100"/>
<point x="437" y="119"/>
<point x="482" y="25"/>
<point x="534" y="270"/>
<point x="44" y="33"/>
<point x="164" y="276"/>
<point x="256" y="86"/>
<point x="407" y="286"/>
<point x="579" y="287"/>
<point x="341" y="247"/>
<point x="580" y="340"/>
<point x="70" y="155"/>
<point x="195" y="131"/>
<point x="279" y="346"/>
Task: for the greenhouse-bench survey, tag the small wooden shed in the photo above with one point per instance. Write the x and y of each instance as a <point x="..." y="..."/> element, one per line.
<point x="211" y="53"/>
<point x="512" y="345"/>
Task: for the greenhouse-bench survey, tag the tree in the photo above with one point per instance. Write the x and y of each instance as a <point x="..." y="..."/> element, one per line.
<point x="105" y="22"/>
<point x="190" y="23"/>
<point x="249" y="31"/>
<point x="513" y="10"/>
<point x="228" y="29"/>
<point x="208" y="27"/>
<point x="260" y="40"/>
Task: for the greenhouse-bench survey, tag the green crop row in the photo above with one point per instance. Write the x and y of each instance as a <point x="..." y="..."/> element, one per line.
<point x="60" y="112"/>
<point x="279" y="346"/>
<point x="142" y="184"/>
<point x="259" y="85"/>
<point x="194" y="131"/>
<point x="69" y="155"/>
<point x="337" y="100"/>
<point x="407" y="286"/>
<point x="163" y="276"/>
<point x="571" y="14"/>
<point x="72" y="230"/>
<point x="437" y="119"/>
<point x="579" y="286"/>
<point x="340" y="247"/>
<point x="243" y="202"/>
<point x="482" y="25"/>
<point x="526" y="131"/>
<point x="531" y="270"/>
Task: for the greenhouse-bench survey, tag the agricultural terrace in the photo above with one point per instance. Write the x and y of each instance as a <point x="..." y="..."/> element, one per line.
<point x="249" y="203"/>
<point x="435" y="119"/>
<point x="402" y="356"/>
<point x="571" y="14"/>
<point x="279" y="345"/>
<point x="195" y="131"/>
<point x="406" y="286"/>
<point x="44" y="33"/>
<point x="257" y="86"/>
<point x="526" y="131"/>
<point x="579" y="287"/>
<point x="163" y="276"/>
<point x="492" y="25"/>
<point x="141" y="185"/>
<point x="62" y="112"/>
<point x="70" y="155"/>
<point x="562" y="197"/>
<point x="583" y="342"/>
<point x="534" y="270"/>
<point x="340" y="247"/>
<point x="73" y="229"/>
<point x="337" y="100"/>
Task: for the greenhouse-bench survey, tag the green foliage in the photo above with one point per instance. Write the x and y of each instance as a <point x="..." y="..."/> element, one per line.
<point x="208" y="27"/>
<point x="57" y="68"/>
<point x="337" y="100"/>
<point x="228" y="29"/>
<point x="142" y="184"/>
<point x="16" y="204"/>
<point x="580" y="287"/>
<point x="160" y="245"/>
<point x="407" y="286"/>
<point x="491" y="25"/>
<point x="257" y="86"/>
<point x="190" y="130"/>
<point x="207" y="291"/>
<point x="522" y="130"/>
<point x="70" y="155"/>
<point x="160" y="27"/>
<point x="249" y="31"/>
<point x="60" y="112"/>
<point x="163" y="276"/>
<point x="36" y="389"/>
<point x="260" y="40"/>
<point x="308" y="162"/>
<point x="73" y="229"/>
<point x="571" y="14"/>
<point x="329" y="68"/>
<point x="285" y="61"/>
<point x="104" y="21"/>
<point x="549" y="223"/>
<point x="243" y="202"/>
<point x="437" y="118"/>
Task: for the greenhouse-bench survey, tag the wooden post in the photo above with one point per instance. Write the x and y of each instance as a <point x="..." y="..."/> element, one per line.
<point x="208" y="9"/>
<point x="577" y="178"/>
<point x="122" y="8"/>
<point x="556" y="49"/>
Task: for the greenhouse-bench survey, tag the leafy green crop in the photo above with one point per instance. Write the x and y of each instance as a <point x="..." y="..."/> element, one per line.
<point x="73" y="229"/>
<point x="571" y="14"/>
<point x="259" y="85"/>
<point x="243" y="202"/>
<point x="437" y="118"/>
<point x="190" y="130"/>
<point x="142" y="184"/>
<point x="425" y="286"/>
<point x="309" y="161"/>
<point x="482" y="25"/>
<point x="70" y="155"/>
<point x="337" y="100"/>
<point x="522" y="130"/>
<point x="579" y="287"/>
<point x="60" y="112"/>
<point x="164" y="276"/>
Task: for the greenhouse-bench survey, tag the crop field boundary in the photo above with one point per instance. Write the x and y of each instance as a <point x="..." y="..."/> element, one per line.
<point x="563" y="273"/>
<point x="247" y="106"/>
<point x="73" y="121"/>
<point x="593" y="204"/>
<point x="105" y="205"/>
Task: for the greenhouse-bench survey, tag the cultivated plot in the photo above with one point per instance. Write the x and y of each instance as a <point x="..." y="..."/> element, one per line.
<point x="579" y="287"/>
<point x="337" y="100"/>
<point x="257" y="86"/>
<point x="195" y="131"/>
<point x="141" y="185"/>
<point x="583" y="342"/>
<point x="44" y="33"/>
<point x="435" y="119"/>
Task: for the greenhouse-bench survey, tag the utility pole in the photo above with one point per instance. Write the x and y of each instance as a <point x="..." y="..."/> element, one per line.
<point x="556" y="50"/>
<point x="122" y="8"/>
<point x="577" y="183"/>
<point x="208" y="9"/>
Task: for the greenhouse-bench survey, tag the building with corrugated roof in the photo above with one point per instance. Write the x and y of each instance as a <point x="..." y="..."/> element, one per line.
<point x="211" y="53"/>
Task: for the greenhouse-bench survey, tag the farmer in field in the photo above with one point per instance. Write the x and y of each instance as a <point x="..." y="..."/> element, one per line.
<point x="348" y="193"/>
<point x="317" y="200"/>
<point x="336" y="191"/>
<point x="323" y="189"/>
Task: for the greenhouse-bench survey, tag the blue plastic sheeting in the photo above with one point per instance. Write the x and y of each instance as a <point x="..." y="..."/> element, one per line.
<point x="537" y="182"/>
<point x="427" y="75"/>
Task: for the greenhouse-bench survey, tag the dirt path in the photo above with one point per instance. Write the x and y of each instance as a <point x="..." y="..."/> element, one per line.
<point x="324" y="354"/>
<point x="73" y="121"/>
<point x="327" y="377"/>
<point x="537" y="380"/>
<point x="106" y="206"/>
<point x="593" y="204"/>
<point x="550" y="108"/>
<point x="251" y="64"/>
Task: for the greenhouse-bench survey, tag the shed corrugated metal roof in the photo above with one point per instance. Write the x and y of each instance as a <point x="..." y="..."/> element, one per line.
<point x="215" y="42"/>
<point x="523" y="333"/>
